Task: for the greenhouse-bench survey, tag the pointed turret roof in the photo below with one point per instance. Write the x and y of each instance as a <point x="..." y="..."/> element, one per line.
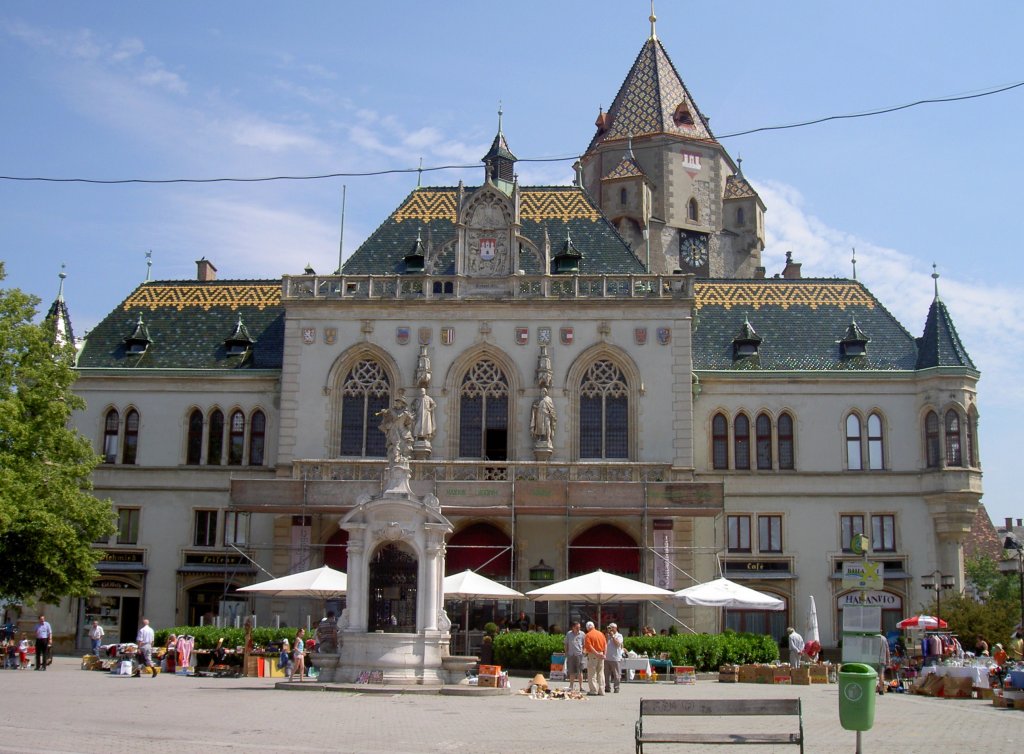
<point x="653" y="100"/>
<point x="60" y="315"/>
<point x="940" y="345"/>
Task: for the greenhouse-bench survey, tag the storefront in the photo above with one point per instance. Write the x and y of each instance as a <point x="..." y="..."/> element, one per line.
<point x="208" y="584"/>
<point x="116" y="600"/>
<point x="890" y="602"/>
<point x="770" y="576"/>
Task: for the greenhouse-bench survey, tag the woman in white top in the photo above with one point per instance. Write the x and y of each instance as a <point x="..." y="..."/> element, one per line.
<point x="299" y="656"/>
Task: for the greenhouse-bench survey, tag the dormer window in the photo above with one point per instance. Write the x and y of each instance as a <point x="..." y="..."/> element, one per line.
<point x="682" y="116"/>
<point x="567" y="261"/>
<point x="239" y="342"/>
<point x="855" y="342"/>
<point x="414" y="260"/>
<point x="746" y="343"/>
<point x="139" y="340"/>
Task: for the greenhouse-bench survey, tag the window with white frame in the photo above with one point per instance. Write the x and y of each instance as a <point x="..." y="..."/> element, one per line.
<point x="769" y="533"/>
<point x="854" y="460"/>
<point x="111" y="430"/>
<point x="883" y="532"/>
<point x="876" y="446"/>
<point x="738" y="533"/>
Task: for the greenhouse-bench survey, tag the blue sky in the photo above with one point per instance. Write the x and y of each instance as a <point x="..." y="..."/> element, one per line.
<point x="249" y="89"/>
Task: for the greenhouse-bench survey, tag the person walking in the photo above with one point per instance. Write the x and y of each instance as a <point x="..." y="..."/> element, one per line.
<point x="144" y="639"/>
<point x="44" y="641"/>
<point x="96" y="636"/>
<point x="574" y="656"/>
<point x="796" y="646"/>
<point x="612" y="658"/>
<point x="594" y="646"/>
<point x="298" y="656"/>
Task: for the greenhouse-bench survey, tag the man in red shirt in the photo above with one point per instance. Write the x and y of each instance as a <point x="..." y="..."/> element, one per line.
<point x="594" y="646"/>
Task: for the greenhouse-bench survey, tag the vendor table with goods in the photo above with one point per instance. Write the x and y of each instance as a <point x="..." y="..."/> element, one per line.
<point x="979" y="674"/>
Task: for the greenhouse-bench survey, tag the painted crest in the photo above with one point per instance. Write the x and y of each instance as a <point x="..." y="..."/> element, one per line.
<point x="522" y="336"/>
<point x="566" y="335"/>
<point x="487" y="248"/>
<point x="401" y="335"/>
<point x="447" y="335"/>
<point x="640" y="335"/>
<point x="309" y="335"/>
<point x="664" y="335"/>
<point x="425" y="335"/>
<point x="544" y="336"/>
<point x="330" y="335"/>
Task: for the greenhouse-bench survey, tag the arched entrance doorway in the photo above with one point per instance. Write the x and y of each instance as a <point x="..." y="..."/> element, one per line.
<point x="482" y="548"/>
<point x="611" y="549"/>
<point x="393" y="589"/>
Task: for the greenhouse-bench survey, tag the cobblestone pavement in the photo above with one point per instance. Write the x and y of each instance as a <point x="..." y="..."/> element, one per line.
<point x="68" y="710"/>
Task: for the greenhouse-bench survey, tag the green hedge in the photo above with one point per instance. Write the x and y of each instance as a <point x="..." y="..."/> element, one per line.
<point x="706" y="652"/>
<point x="206" y="636"/>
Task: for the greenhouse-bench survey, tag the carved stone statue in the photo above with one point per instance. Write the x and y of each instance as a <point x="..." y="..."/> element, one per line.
<point x="396" y="423"/>
<point x="423" y="374"/>
<point x="423" y="413"/>
<point x="544" y="373"/>
<point x="543" y="419"/>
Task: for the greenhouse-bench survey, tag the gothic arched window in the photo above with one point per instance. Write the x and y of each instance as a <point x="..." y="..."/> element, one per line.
<point x="931" y="440"/>
<point x="854" y="457"/>
<point x="257" y="438"/>
<point x="719" y="442"/>
<point x="111" y="425"/>
<point x="763" y="428"/>
<point x="604" y="412"/>
<point x="483" y="412"/>
<point x="131" y="437"/>
<point x="236" y="439"/>
<point x="786" y="457"/>
<point x="365" y="391"/>
<point x="215" y="439"/>
<point x="194" y="444"/>
<point x="741" y="441"/>
<point x="954" y="457"/>
<point x="876" y="447"/>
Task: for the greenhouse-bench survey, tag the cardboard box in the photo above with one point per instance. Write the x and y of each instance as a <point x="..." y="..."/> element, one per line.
<point x="685" y="674"/>
<point x="819" y="673"/>
<point x="782" y="678"/>
<point x="728" y="677"/>
<point x="747" y="674"/>
<point x="489" y="681"/>
<point x="764" y="674"/>
<point x="800" y="676"/>
<point x="490" y="670"/>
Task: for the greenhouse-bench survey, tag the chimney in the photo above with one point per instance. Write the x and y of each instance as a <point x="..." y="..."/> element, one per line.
<point x="792" y="271"/>
<point x="1020" y="522"/>
<point x="759" y="273"/>
<point x="205" y="271"/>
<point x="1009" y="524"/>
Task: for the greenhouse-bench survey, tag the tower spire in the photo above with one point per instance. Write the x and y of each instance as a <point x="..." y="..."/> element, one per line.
<point x="60" y="288"/>
<point x="935" y="277"/>
<point x="853" y="261"/>
<point x="653" y="19"/>
<point x="149" y="265"/>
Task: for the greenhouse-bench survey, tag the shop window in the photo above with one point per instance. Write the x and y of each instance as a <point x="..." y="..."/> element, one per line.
<point x="741" y="441"/>
<point x="883" y="533"/>
<point x="194" y="445"/>
<point x="720" y="442"/>
<point x="931" y="440"/>
<point x="206" y="529"/>
<point x="257" y="438"/>
<point x="131" y="437"/>
<point x="365" y="391"/>
<point x="738" y="533"/>
<point x="786" y="456"/>
<point x="854" y="461"/>
<point x="128" y="526"/>
<point x="769" y="533"/>
<point x="111" y="427"/>
<point x="953" y="453"/>
<point x="215" y="439"/>
<point x="483" y="412"/>
<point x="763" y="428"/>
<point x="604" y="412"/>
<point x="236" y="439"/>
<point x="851" y="526"/>
<point x="876" y="455"/>
<point x="236" y="528"/>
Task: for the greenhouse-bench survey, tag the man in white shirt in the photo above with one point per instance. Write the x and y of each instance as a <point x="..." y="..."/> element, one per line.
<point x="145" y="641"/>
<point x="796" y="646"/>
<point x="612" y="657"/>
<point x="96" y="635"/>
<point x="44" y="641"/>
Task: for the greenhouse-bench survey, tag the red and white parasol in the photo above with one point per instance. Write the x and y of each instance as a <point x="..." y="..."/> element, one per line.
<point x="928" y="622"/>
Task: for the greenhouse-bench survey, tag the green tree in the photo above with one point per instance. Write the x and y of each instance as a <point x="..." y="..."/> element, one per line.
<point x="48" y="516"/>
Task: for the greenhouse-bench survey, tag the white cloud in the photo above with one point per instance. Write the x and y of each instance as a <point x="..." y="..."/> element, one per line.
<point x="154" y="74"/>
<point x="254" y="132"/>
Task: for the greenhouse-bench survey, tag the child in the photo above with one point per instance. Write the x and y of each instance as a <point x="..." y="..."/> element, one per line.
<point x="23" y="651"/>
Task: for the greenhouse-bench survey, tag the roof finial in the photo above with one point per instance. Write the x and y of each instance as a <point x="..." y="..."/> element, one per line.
<point x="61" y="275"/>
<point x="854" y="261"/>
<point x="419" y="174"/>
<point x="499" y="116"/>
<point x="653" y="19"/>
<point x="149" y="265"/>
<point x="935" y="277"/>
<point x="739" y="166"/>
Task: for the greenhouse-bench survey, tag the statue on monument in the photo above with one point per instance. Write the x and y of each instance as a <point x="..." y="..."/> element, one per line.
<point x="543" y="419"/>
<point x="423" y="413"/>
<point x="396" y="423"/>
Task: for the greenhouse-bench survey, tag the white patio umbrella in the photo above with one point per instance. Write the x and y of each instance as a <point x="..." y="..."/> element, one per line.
<point x="599" y="587"/>
<point x="812" y="640"/>
<point x="724" y="593"/>
<point x="468" y="585"/>
<point x="321" y="583"/>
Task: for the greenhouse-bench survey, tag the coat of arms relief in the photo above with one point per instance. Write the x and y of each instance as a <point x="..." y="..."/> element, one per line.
<point x="487" y="247"/>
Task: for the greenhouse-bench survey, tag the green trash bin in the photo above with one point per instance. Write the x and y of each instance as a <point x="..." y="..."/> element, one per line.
<point x="857" y="683"/>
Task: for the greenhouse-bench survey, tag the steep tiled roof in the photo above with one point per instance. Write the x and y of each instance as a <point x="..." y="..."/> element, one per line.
<point x="940" y="345"/>
<point x="737" y="187"/>
<point x="628" y="168"/>
<point x="499" y="148"/>
<point x="983" y="539"/>
<point x="188" y="322"/>
<point x="559" y="210"/>
<point x="649" y="98"/>
<point x="801" y="323"/>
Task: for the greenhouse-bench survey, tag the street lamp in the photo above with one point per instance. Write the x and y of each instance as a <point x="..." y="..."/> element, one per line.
<point x="937" y="581"/>
<point x="1012" y="543"/>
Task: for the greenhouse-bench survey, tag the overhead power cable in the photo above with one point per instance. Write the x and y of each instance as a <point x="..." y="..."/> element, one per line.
<point x="475" y="166"/>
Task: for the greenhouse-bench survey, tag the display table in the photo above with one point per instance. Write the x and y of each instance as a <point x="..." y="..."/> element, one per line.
<point x="978" y="675"/>
<point x="634" y="664"/>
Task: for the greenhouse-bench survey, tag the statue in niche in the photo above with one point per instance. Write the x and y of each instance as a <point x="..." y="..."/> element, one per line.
<point x="544" y="372"/>
<point x="423" y="413"/>
<point x="396" y="423"/>
<point x="423" y="374"/>
<point x="543" y="419"/>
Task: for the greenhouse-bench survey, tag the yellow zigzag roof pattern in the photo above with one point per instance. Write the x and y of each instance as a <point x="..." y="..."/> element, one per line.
<point x="756" y="295"/>
<point x="259" y="295"/>
<point x="425" y="206"/>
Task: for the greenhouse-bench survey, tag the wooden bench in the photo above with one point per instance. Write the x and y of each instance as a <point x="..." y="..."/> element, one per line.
<point x="718" y="708"/>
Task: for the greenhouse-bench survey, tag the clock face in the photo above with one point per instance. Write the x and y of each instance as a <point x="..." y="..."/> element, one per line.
<point x="693" y="249"/>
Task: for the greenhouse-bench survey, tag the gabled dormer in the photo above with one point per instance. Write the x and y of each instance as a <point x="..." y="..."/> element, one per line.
<point x="746" y="343"/>
<point x="855" y="342"/>
<point x="488" y="227"/>
<point x="138" y="342"/>
<point x="416" y="256"/>
<point x="567" y="260"/>
<point x="240" y="341"/>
